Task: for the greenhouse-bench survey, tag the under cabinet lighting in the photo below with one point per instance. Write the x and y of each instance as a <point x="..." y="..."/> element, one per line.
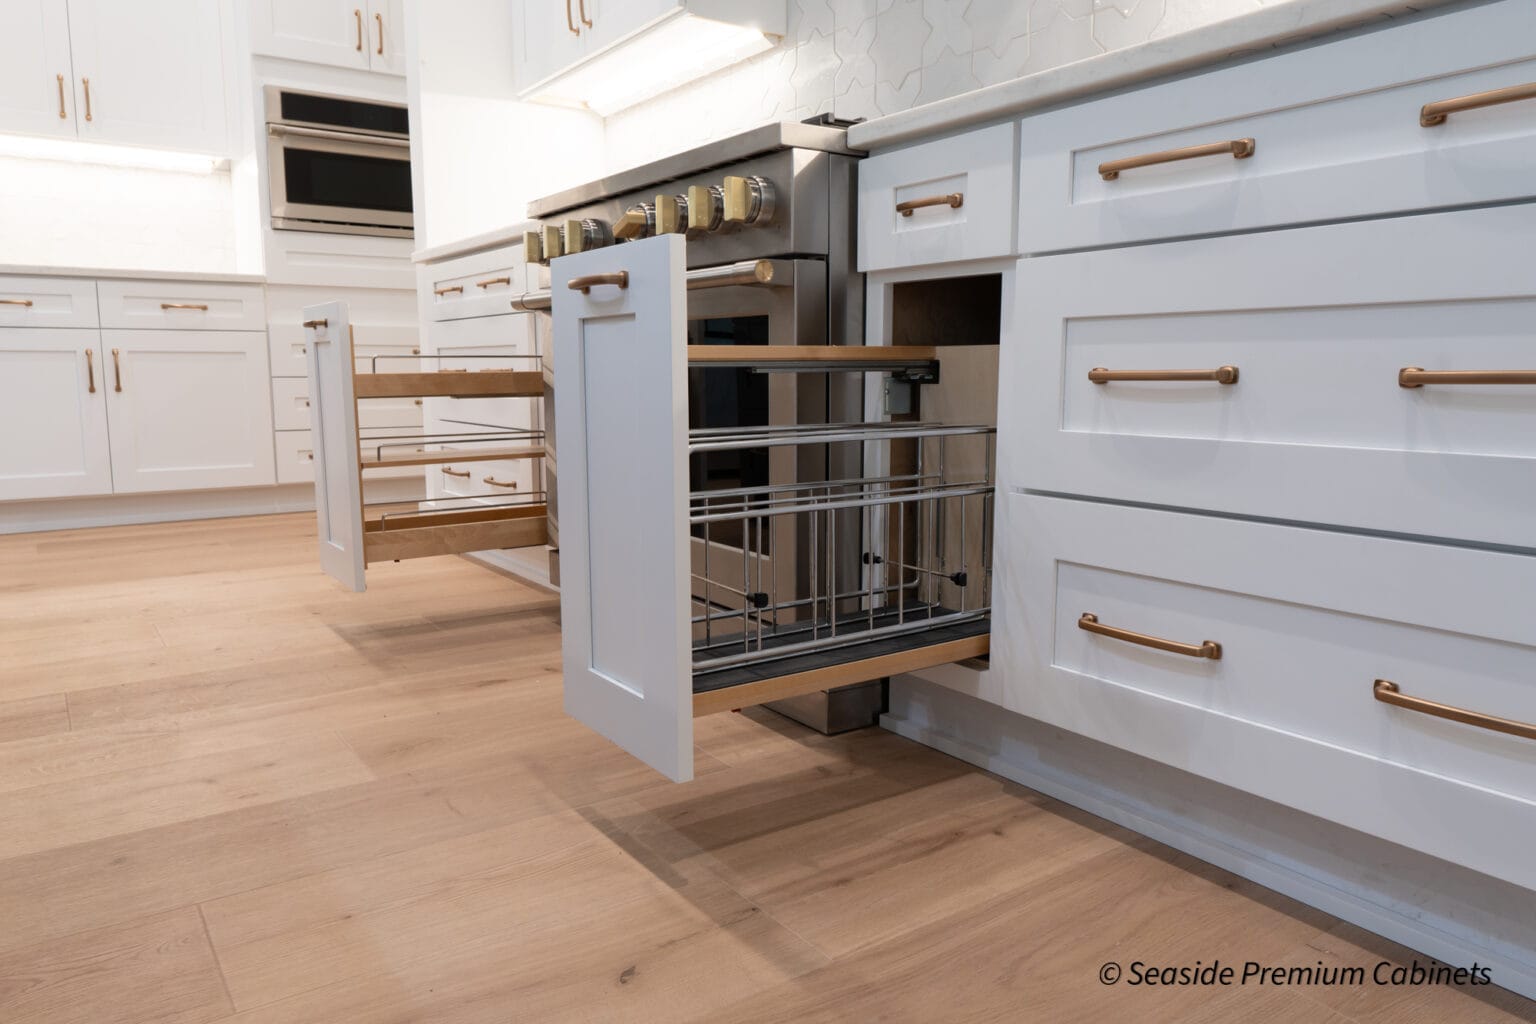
<point x="33" y="147"/>
<point x="669" y="54"/>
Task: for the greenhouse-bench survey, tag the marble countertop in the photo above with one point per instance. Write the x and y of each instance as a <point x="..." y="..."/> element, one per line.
<point x="33" y="270"/>
<point x="1284" y="24"/>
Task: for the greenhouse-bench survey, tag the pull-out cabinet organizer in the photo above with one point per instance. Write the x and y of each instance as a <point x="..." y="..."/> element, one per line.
<point x="355" y="533"/>
<point x="679" y="602"/>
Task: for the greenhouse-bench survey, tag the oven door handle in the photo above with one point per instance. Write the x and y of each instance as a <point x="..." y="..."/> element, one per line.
<point x="335" y="136"/>
<point x="746" y="274"/>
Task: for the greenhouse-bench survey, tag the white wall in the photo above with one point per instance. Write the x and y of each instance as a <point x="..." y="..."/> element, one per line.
<point x="94" y="215"/>
<point x="865" y="58"/>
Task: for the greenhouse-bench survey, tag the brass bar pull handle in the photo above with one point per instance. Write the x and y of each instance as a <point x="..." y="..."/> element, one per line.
<point x="315" y="325"/>
<point x="584" y="19"/>
<point x="117" y="371"/>
<point x="953" y="200"/>
<point x="501" y="483"/>
<point x="15" y="302"/>
<point x="1431" y="114"/>
<point x="1221" y="375"/>
<point x="380" y="19"/>
<point x="1388" y="692"/>
<point x="90" y="370"/>
<point x="185" y="305"/>
<point x="450" y="471"/>
<point x="570" y="22"/>
<point x="491" y="282"/>
<point x="619" y="279"/>
<point x="1205" y="649"/>
<point x="62" y="114"/>
<point x="453" y="289"/>
<point x="358" y="14"/>
<point x="87" y="83"/>
<point x="1417" y="377"/>
<point x="1240" y="149"/>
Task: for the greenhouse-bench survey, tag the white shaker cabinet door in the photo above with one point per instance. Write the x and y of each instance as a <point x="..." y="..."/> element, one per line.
<point x="36" y="79"/>
<point x="320" y="31"/>
<point x="386" y="25"/>
<point x="623" y="425"/>
<point x="552" y="40"/>
<point x="53" y="414"/>
<point x="188" y="409"/>
<point x="150" y="73"/>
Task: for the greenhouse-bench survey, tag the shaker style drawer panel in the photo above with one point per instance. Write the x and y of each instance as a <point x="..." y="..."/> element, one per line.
<point x="1251" y="654"/>
<point x="1327" y="132"/>
<point x="477" y="345"/>
<point x="296" y="458"/>
<point x="291" y="403"/>
<point x="938" y="201"/>
<point x="1266" y="376"/>
<point x="182" y="305"/>
<point x="377" y="346"/>
<point x="481" y="284"/>
<point x="501" y="478"/>
<point x="47" y="302"/>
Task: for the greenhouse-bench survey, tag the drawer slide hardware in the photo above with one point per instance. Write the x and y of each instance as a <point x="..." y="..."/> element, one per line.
<point x="1388" y="692"/>
<point x="953" y="200"/>
<point x="1435" y="113"/>
<point x="1221" y="375"/>
<point x="1240" y="149"/>
<point x="1417" y="377"/>
<point x="1205" y="649"/>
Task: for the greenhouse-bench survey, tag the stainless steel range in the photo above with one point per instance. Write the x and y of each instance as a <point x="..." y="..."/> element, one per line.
<point x="770" y="220"/>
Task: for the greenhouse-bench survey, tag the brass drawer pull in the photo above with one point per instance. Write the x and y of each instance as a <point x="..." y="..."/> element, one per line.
<point x="90" y="370"/>
<point x="117" y="371"/>
<point x="491" y="282"/>
<point x="1417" y="377"/>
<point x="15" y="302"/>
<point x="62" y="115"/>
<point x="380" y="19"/>
<point x="1206" y="649"/>
<point x="358" y="14"/>
<point x="1387" y="692"/>
<point x="185" y="305"/>
<point x="315" y="325"/>
<point x="452" y="289"/>
<point x="1435" y="113"/>
<point x="582" y="6"/>
<point x="585" y="284"/>
<point x="87" y="83"/>
<point x="953" y="200"/>
<point x="1221" y="375"/>
<point x="1240" y="149"/>
<point x="450" y="471"/>
<point x="569" y="21"/>
<point x="501" y="483"/>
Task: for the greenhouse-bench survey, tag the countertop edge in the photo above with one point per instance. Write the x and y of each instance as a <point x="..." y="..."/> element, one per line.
<point x="120" y="274"/>
<point x="1291" y="23"/>
<point x="504" y="235"/>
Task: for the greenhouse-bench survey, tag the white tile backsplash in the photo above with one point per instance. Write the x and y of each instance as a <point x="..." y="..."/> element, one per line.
<point x="865" y="58"/>
<point x="55" y="213"/>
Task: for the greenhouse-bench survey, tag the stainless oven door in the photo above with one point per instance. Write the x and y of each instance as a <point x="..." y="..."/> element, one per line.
<point x="323" y="180"/>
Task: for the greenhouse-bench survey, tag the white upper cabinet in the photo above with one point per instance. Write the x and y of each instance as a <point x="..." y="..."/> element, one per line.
<point x="346" y="33"/>
<point x="53" y="413"/>
<point x="36" y="80"/>
<point x="552" y="39"/>
<point x="145" y="74"/>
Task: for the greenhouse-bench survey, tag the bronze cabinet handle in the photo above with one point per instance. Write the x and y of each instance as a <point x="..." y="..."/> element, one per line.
<point x="1417" y="377"/>
<point x="954" y="200"/>
<point x="619" y="279"/>
<point x="452" y="289"/>
<point x="501" y="483"/>
<point x="1431" y="114"/>
<point x="380" y="19"/>
<point x="450" y="471"/>
<point x="87" y="83"/>
<point x="15" y="302"/>
<point x="582" y="4"/>
<point x="62" y="114"/>
<point x="315" y="325"/>
<point x="185" y="305"/>
<point x="90" y="371"/>
<point x="358" y="14"/>
<point x="491" y="282"/>
<point x="117" y="372"/>
<point x="1240" y="149"/>
<point x="1205" y="649"/>
<point x="1386" y="691"/>
<point x="1221" y="375"/>
<point x="569" y="22"/>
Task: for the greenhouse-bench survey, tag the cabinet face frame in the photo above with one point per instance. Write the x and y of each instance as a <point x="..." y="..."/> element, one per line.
<point x="333" y="437"/>
<point x="623" y="424"/>
<point x="50" y="415"/>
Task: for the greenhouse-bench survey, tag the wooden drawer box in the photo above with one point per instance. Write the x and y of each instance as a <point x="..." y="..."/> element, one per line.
<point x="47" y="302"/>
<point x="1335" y="128"/>
<point x="296" y="458"/>
<point x="481" y="284"/>
<point x="938" y="201"/>
<point x="1306" y="622"/>
<point x="182" y="305"/>
<point x="1316" y="427"/>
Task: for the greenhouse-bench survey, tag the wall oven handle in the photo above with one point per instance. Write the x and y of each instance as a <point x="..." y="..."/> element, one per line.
<point x="320" y="133"/>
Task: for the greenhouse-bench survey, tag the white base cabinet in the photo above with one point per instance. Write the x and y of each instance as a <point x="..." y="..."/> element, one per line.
<point x="53" y="414"/>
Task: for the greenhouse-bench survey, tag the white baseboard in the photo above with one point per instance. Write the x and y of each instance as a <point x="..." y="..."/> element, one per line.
<point x="531" y="565"/>
<point x="1440" y="909"/>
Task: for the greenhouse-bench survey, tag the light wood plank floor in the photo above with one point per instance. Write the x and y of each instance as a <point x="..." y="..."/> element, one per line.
<point x="230" y="791"/>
